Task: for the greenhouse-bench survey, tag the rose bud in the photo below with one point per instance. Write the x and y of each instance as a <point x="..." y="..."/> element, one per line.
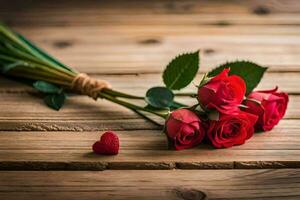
<point x="184" y="129"/>
<point x="268" y="105"/>
<point x="231" y="129"/>
<point x="222" y="92"/>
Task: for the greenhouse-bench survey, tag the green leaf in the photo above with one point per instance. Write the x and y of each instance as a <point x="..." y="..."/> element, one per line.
<point x="181" y="71"/>
<point x="46" y="87"/>
<point x="249" y="71"/>
<point x="55" y="101"/>
<point x="159" y="97"/>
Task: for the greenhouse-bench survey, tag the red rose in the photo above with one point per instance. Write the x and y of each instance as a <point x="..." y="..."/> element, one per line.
<point x="231" y="129"/>
<point x="222" y="92"/>
<point x="184" y="129"/>
<point x="269" y="106"/>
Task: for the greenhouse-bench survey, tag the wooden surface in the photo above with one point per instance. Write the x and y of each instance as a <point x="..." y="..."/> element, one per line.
<point x="152" y="184"/>
<point x="128" y="43"/>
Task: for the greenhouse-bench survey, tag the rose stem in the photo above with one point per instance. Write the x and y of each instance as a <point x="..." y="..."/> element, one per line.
<point x="189" y="94"/>
<point x="130" y="105"/>
<point x="129" y="96"/>
<point x="147" y="118"/>
<point x="121" y="94"/>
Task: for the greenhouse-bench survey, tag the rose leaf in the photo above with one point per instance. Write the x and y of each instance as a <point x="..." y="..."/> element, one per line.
<point x="46" y="87"/>
<point x="181" y="71"/>
<point x="159" y="97"/>
<point x="55" y="101"/>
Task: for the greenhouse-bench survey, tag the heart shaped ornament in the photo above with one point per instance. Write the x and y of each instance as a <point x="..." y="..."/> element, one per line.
<point x="107" y="145"/>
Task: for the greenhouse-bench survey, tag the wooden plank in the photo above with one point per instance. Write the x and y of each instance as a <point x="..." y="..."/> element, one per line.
<point x="61" y="18"/>
<point x="140" y="49"/>
<point x="157" y="6"/>
<point x="161" y="30"/>
<point x="145" y="149"/>
<point x="33" y="115"/>
<point x="83" y="13"/>
<point x="183" y="184"/>
<point x="33" y="108"/>
<point x="125" y="40"/>
<point x="134" y="35"/>
<point x="139" y="83"/>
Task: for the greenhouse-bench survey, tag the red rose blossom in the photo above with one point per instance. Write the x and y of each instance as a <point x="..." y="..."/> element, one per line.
<point x="222" y="92"/>
<point x="269" y="105"/>
<point x="184" y="129"/>
<point x="231" y="129"/>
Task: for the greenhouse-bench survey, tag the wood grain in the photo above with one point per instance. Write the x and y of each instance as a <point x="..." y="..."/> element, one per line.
<point x="177" y="184"/>
<point x="34" y="115"/>
<point x="124" y="50"/>
<point x="91" y="12"/>
<point x="140" y="83"/>
<point x="102" y="37"/>
<point x="128" y="43"/>
<point x="145" y="149"/>
<point x="109" y="41"/>
<point x="140" y="7"/>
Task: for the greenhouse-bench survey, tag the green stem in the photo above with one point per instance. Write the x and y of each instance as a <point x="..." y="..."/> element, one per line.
<point x="130" y="105"/>
<point x="121" y="94"/>
<point x="129" y="96"/>
<point x="189" y="94"/>
<point x="147" y="118"/>
<point x="40" y="77"/>
<point x="178" y="105"/>
<point x="24" y="47"/>
<point x="42" y="66"/>
<point x="39" y="68"/>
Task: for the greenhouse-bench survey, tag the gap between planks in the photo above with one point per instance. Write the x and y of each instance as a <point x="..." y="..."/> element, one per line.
<point x="101" y="166"/>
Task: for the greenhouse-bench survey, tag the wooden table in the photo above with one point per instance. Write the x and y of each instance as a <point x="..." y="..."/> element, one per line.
<point x="46" y="154"/>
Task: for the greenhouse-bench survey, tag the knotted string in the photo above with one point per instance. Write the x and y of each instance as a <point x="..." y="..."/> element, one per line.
<point x="84" y="84"/>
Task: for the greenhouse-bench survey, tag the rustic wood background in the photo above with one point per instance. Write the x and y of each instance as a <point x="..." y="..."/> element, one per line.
<point x="46" y="154"/>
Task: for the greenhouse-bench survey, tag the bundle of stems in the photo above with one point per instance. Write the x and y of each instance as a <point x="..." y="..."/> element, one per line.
<point x="20" y="58"/>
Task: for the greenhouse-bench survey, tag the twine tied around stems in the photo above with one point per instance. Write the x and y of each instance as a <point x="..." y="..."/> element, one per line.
<point x="84" y="84"/>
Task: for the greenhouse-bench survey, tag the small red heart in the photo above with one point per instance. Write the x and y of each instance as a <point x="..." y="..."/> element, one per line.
<point x="108" y="144"/>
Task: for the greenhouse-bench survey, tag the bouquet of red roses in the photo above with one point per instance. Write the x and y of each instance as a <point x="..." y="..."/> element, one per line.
<point x="227" y="113"/>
